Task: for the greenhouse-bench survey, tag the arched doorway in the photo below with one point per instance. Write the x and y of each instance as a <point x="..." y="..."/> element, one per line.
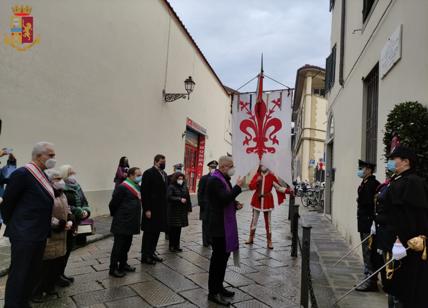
<point x="330" y="170"/>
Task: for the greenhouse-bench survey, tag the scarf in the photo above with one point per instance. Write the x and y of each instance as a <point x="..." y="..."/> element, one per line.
<point x="230" y="224"/>
<point x="132" y="187"/>
<point x="39" y="175"/>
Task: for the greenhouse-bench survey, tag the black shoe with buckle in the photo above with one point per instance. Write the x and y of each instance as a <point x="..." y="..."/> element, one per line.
<point x="226" y="293"/>
<point x="218" y="299"/>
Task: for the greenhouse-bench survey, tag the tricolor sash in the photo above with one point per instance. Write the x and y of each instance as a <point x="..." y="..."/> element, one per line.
<point x="40" y="177"/>
<point x="132" y="187"/>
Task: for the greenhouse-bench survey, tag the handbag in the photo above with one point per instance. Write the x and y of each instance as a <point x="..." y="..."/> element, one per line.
<point x="86" y="227"/>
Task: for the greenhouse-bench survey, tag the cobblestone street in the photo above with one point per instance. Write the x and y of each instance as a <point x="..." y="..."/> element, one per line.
<point x="265" y="278"/>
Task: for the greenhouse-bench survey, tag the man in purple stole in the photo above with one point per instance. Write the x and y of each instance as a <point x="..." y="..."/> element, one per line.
<point x="223" y="228"/>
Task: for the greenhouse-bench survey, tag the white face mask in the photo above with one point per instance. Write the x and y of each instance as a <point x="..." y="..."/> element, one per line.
<point x="231" y="172"/>
<point x="71" y="179"/>
<point x="50" y="163"/>
<point x="263" y="169"/>
<point x="60" y="185"/>
<point x="180" y="182"/>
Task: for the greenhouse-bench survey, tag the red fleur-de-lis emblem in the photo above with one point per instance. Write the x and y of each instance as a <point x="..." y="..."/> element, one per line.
<point x="261" y="127"/>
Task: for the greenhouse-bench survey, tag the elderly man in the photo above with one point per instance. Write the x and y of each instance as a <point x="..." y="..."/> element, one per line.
<point x="223" y="228"/>
<point x="27" y="210"/>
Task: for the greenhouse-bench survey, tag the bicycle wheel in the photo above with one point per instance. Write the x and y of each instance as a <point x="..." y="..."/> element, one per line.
<point x="304" y="200"/>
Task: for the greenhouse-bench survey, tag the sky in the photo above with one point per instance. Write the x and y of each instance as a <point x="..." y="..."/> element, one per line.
<point x="233" y="34"/>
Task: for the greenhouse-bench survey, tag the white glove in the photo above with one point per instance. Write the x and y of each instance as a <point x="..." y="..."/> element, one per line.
<point x="1" y="200"/>
<point x="54" y="221"/>
<point x="373" y="229"/>
<point x="398" y="251"/>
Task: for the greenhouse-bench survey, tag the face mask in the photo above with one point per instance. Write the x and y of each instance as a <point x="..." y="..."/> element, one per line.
<point x="212" y="171"/>
<point x="162" y="166"/>
<point x="71" y="179"/>
<point x="231" y="172"/>
<point x="391" y="165"/>
<point x="60" y="185"/>
<point x="50" y="163"/>
<point x="138" y="179"/>
<point x="263" y="169"/>
<point x="180" y="182"/>
<point x="360" y="173"/>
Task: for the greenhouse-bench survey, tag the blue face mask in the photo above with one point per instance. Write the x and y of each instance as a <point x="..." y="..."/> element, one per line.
<point x="391" y="165"/>
<point x="138" y="179"/>
<point x="360" y="173"/>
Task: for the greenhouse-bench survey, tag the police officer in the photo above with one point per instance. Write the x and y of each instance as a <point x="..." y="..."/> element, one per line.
<point x="407" y="212"/>
<point x="203" y="203"/>
<point x="365" y="216"/>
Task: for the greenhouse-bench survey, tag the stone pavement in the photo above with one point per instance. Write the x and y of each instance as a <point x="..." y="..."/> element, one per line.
<point x="329" y="281"/>
<point x="266" y="278"/>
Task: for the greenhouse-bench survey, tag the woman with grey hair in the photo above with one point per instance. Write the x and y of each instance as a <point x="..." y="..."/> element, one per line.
<point x="56" y="245"/>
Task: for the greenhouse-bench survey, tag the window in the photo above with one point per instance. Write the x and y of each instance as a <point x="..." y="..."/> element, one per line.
<point x="330" y="70"/>
<point x="367" y="7"/>
<point x="371" y="85"/>
<point x="331" y="5"/>
<point x="319" y="92"/>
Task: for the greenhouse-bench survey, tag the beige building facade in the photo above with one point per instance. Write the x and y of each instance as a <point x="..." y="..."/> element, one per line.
<point x="94" y="84"/>
<point x="309" y="117"/>
<point x="378" y="60"/>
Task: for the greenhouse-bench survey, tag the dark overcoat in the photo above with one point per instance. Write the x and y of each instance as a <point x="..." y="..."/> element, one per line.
<point x="125" y="208"/>
<point x="154" y="197"/>
<point x="366" y="201"/>
<point x="407" y="209"/>
<point x="178" y="211"/>
<point x="26" y="208"/>
<point x="203" y="197"/>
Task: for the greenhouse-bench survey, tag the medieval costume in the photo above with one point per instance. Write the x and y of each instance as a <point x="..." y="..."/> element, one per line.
<point x="262" y="201"/>
<point x="223" y="230"/>
<point x="125" y="207"/>
<point x="26" y="210"/>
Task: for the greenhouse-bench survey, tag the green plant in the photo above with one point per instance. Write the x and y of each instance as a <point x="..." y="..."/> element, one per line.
<point x="409" y="120"/>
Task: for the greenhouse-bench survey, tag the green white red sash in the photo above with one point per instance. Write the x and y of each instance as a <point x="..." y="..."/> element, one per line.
<point x="132" y="187"/>
<point x="40" y="177"/>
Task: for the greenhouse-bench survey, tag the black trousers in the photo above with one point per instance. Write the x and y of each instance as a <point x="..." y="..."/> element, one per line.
<point x="205" y="237"/>
<point x="70" y="246"/>
<point x="25" y="268"/>
<point x="174" y="237"/>
<point x="149" y="243"/>
<point x="50" y="273"/>
<point x="119" y="254"/>
<point x="218" y="264"/>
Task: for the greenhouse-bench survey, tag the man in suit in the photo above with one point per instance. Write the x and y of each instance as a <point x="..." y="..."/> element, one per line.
<point x="27" y="211"/>
<point x="154" y="197"/>
<point x="203" y="202"/>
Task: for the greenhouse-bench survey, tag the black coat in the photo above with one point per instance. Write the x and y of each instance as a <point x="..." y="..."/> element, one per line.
<point x="203" y="197"/>
<point x="178" y="211"/>
<point x="153" y="194"/>
<point x="218" y="199"/>
<point x="407" y="210"/>
<point x="366" y="200"/>
<point x="125" y="208"/>
<point x="26" y="208"/>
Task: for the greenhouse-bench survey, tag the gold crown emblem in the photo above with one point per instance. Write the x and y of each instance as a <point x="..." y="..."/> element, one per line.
<point x="21" y="9"/>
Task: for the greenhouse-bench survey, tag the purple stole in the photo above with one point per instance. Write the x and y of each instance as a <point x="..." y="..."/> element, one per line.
<point x="230" y="224"/>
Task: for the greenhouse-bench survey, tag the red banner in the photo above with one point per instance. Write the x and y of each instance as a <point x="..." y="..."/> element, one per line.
<point x="27" y="29"/>
<point x="201" y="155"/>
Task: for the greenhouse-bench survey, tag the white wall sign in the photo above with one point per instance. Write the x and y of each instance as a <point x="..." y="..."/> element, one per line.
<point x="391" y="52"/>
